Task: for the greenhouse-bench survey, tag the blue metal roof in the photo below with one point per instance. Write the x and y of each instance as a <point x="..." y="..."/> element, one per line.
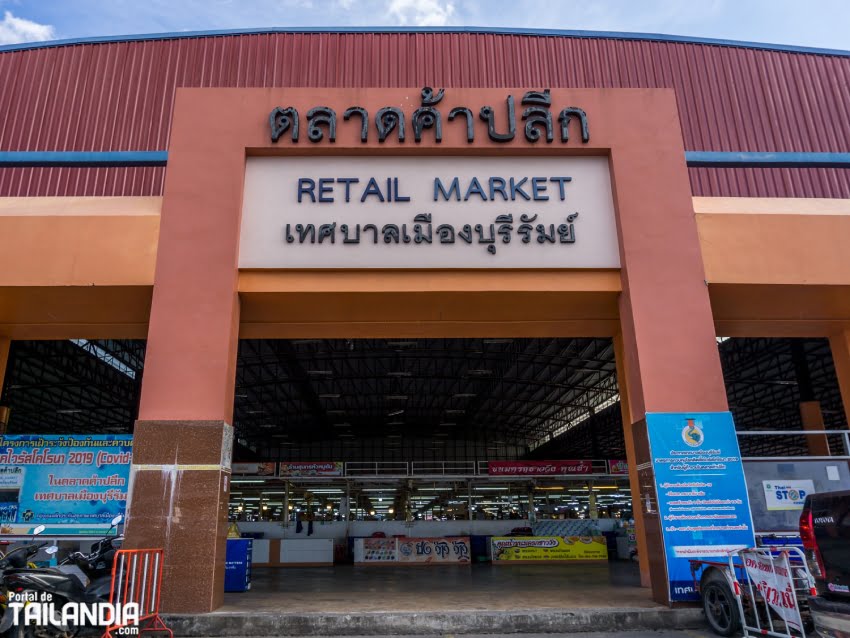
<point x="566" y="33"/>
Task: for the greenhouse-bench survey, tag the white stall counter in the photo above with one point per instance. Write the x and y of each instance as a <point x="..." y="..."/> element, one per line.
<point x="307" y="551"/>
<point x="260" y="552"/>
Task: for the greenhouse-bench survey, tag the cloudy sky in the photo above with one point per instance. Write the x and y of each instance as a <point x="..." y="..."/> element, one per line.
<point x="819" y="23"/>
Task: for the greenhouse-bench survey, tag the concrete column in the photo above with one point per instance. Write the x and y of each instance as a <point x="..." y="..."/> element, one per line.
<point x="183" y="439"/>
<point x="810" y="410"/>
<point x="669" y="349"/>
<point x="592" y="510"/>
<point x="5" y="344"/>
<point x="631" y="460"/>
<point x="812" y="417"/>
<point x="840" y="345"/>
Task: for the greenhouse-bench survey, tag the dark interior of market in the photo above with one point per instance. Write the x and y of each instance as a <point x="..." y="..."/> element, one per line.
<point x="513" y="398"/>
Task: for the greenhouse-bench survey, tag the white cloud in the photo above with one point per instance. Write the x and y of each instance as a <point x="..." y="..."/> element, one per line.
<point x="421" y="13"/>
<point x="15" y="30"/>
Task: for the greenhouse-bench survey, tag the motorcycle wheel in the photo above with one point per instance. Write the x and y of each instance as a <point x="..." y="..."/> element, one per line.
<point x="51" y="631"/>
<point x="23" y="631"/>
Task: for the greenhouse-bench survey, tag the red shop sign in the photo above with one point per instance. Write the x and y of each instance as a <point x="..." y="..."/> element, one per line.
<point x="538" y="468"/>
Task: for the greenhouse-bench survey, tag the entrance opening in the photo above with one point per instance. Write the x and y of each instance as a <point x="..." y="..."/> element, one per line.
<point x="73" y="386"/>
<point x="69" y="407"/>
<point x="357" y="460"/>
<point x="792" y="428"/>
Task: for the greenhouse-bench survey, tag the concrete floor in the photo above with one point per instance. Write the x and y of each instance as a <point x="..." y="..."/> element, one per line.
<point x="481" y="587"/>
<point x="686" y="633"/>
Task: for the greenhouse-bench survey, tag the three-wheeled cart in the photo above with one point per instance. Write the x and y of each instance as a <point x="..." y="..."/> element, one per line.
<point x="762" y="591"/>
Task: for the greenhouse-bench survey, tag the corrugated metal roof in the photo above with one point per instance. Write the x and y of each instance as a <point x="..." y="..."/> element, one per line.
<point x="118" y="95"/>
<point x="570" y="33"/>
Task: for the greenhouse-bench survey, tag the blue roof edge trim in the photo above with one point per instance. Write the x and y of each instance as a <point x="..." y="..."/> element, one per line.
<point x="11" y="159"/>
<point x="569" y="33"/>
<point x="725" y="159"/>
<point x="694" y="159"/>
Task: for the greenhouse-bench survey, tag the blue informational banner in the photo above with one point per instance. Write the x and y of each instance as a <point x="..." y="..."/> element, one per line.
<point x="74" y="485"/>
<point x="702" y="492"/>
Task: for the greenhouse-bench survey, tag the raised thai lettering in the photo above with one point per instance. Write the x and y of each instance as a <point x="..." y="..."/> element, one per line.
<point x="282" y="120"/>
<point x="318" y="117"/>
<point x="488" y="114"/>
<point x="364" y="120"/>
<point x="321" y="120"/>
<point x="423" y="232"/>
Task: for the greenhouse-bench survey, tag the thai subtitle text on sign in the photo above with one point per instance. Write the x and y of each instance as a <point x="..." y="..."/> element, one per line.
<point x="427" y="212"/>
<point x="67" y="483"/>
<point x="328" y="468"/>
<point x="549" y="548"/>
<point x="787" y="495"/>
<point x="538" y="468"/>
<point x="702" y="493"/>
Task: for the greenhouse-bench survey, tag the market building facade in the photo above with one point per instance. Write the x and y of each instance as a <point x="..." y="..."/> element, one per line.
<point x="195" y="190"/>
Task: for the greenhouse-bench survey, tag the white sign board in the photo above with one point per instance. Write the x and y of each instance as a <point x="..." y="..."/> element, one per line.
<point x="787" y="495"/>
<point x="12" y="476"/>
<point x="772" y="578"/>
<point x="428" y="212"/>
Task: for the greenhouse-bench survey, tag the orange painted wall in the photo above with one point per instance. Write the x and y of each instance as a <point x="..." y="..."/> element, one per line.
<point x="78" y="251"/>
<point x="406" y="303"/>
<point x="79" y="241"/>
<point x="84" y="267"/>
<point x="776" y="267"/>
<point x="781" y="241"/>
<point x="77" y="267"/>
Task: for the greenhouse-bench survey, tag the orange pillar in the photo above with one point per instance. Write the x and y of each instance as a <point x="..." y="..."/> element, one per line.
<point x="631" y="459"/>
<point x="5" y="344"/>
<point x="183" y="438"/>
<point x="812" y="418"/>
<point x="669" y="347"/>
<point x="811" y="415"/>
<point x="840" y="345"/>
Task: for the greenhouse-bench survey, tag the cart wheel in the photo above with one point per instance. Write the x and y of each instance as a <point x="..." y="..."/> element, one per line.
<point x="720" y="607"/>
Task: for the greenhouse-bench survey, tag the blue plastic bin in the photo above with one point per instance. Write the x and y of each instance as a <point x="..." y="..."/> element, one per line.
<point x="237" y="564"/>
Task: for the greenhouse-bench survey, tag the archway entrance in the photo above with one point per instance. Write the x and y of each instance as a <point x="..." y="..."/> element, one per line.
<point x="434" y="474"/>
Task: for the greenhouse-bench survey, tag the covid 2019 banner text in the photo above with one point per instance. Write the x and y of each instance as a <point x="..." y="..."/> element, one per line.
<point x="73" y="485"/>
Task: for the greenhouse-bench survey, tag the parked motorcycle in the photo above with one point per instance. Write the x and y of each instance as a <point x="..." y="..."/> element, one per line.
<point x="80" y="578"/>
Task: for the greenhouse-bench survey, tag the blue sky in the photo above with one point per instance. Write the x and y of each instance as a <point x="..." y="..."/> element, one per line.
<point x="818" y="23"/>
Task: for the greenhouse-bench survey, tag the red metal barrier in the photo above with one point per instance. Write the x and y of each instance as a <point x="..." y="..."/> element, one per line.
<point x="137" y="578"/>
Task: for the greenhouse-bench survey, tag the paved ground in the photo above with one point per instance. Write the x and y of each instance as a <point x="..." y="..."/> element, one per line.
<point x="484" y="587"/>
<point x="619" y="634"/>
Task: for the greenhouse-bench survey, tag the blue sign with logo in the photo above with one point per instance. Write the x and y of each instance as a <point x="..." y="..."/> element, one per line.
<point x="70" y="484"/>
<point x="702" y="492"/>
